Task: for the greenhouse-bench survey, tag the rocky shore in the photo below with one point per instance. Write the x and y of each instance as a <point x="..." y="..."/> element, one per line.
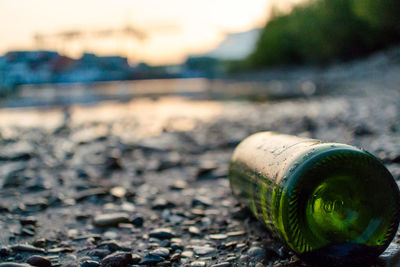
<point x="138" y="184"/>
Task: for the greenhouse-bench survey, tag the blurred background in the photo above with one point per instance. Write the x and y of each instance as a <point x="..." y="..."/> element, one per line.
<point x="135" y="106"/>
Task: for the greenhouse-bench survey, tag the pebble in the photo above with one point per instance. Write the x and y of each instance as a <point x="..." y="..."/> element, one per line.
<point x="113" y="219"/>
<point x="204" y="250"/>
<point x="117" y="259"/>
<point x="27" y="248"/>
<point x="89" y="263"/>
<point x="28" y="221"/>
<point x="178" y="185"/>
<point x="138" y="221"/>
<point x="202" y="201"/>
<point x="218" y="236"/>
<point x="187" y="254"/>
<point x="118" y="191"/>
<point x="150" y="259"/>
<point x="222" y="264"/>
<point x="99" y="253"/>
<point x="162" y="233"/>
<point x="14" y="264"/>
<point x="4" y="252"/>
<point x="236" y="233"/>
<point x="161" y="252"/>
<point x="256" y="254"/>
<point x="198" y="264"/>
<point x="194" y="230"/>
<point x="175" y="257"/>
<point x="39" y="261"/>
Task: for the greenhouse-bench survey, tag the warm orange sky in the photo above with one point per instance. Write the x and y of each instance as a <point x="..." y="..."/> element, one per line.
<point x="175" y="28"/>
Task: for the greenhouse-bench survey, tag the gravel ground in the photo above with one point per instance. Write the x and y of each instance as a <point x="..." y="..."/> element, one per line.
<point x="148" y="187"/>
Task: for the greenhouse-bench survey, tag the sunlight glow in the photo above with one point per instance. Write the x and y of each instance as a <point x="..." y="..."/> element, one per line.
<point x="173" y="28"/>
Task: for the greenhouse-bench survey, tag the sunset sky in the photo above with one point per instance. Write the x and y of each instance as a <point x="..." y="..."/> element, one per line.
<point x="173" y="28"/>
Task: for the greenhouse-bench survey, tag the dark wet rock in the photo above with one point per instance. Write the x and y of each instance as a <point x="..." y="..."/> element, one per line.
<point x="113" y="246"/>
<point x="39" y="261"/>
<point x="113" y="163"/>
<point x="162" y="252"/>
<point x="14" y="264"/>
<point x="162" y="233"/>
<point x="27" y="248"/>
<point x="202" y="201"/>
<point x="99" y="253"/>
<point x="205" y="171"/>
<point x="362" y="130"/>
<point x="201" y="251"/>
<point x="12" y="174"/>
<point x="28" y="220"/>
<point x="396" y="159"/>
<point x="256" y="254"/>
<point x="150" y="259"/>
<point x="222" y="264"/>
<point x="138" y="221"/>
<point x="89" y="263"/>
<point x="117" y="259"/>
<point x="4" y="252"/>
<point x="113" y="219"/>
<point x="3" y="209"/>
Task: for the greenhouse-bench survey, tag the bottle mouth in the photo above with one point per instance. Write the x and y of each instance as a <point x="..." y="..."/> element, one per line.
<point x="340" y="199"/>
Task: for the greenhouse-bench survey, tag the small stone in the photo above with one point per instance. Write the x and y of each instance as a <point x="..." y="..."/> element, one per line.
<point x="194" y="230"/>
<point x="162" y="252"/>
<point x="113" y="219"/>
<point x="14" y="264"/>
<point x="259" y="264"/>
<point x="218" y="236"/>
<point x="256" y="253"/>
<point x="161" y="203"/>
<point x="187" y="254"/>
<point x="204" y="250"/>
<point x="30" y="220"/>
<point x="117" y="259"/>
<point x="82" y="195"/>
<point x="90" y="264"/>
<point x="202" y="201"/>
<point x="4" y="252"/>
<point x="113" y="246"/>
<point x="236" y="233"/>
<point x="138" y="221"/>
<point x="162" y="233"/>
<point x="178" y="185"/>
<point x="150" y="259"/>
<point x="136" y="258"/>
<point x="198" y="264"/>
<point x="118" y="191"/>
<point x="176" y="257"/>
<point x="391" y="256"/>
<point x="99" y="253"/>
<point x="39" y="261"/>
<point x="27" y="248"/>
<point x="222" y="264"/>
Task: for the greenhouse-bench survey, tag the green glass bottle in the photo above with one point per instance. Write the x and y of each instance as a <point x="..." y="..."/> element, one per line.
<point x="329" y="202"/>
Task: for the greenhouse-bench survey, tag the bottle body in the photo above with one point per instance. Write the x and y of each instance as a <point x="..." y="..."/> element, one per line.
<point x="325" y="200"/>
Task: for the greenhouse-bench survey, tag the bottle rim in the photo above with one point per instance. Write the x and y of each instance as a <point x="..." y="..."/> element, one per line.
<point x="286" y="206"/>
